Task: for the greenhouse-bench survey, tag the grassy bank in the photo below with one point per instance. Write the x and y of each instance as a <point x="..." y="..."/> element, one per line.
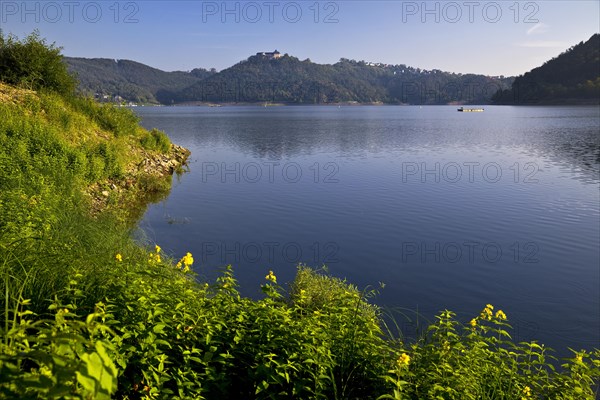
<point x="86" y="313"/>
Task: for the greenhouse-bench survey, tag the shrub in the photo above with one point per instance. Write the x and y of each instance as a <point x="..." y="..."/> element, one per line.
<point x="156" y="140"/>
<point x="480" y="361"/>
<point x="34" y="64"/>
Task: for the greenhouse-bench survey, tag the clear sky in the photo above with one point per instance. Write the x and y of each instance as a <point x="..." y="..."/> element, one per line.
<point x="487" y="37"/>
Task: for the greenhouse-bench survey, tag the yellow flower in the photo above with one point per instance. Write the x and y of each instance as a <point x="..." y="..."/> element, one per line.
<point x="487" y="312"/>
<point x="155" y="257"/>
<point x="119" y="257"/>
<point x="473" y="322"/>
<point x="526" y="392"/>
<point x="185" y="262"/>
<point x="271" y="277"/>
<point x="579" y="358"/>
<point x="403" y="360"/>
<point x="188" y="260"/>
<point x="500" y="315"/>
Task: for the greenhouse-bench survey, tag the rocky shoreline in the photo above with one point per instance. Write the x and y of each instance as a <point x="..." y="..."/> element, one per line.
<point x="134" y="184"/>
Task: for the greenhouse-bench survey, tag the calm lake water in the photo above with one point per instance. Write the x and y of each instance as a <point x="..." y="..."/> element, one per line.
<point x="450" y="210"/>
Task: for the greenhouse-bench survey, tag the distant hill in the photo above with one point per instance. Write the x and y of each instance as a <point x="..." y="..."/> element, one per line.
<point x="284" y="80"/>
<point x="130" y="80"/>
<point x="289" y="80"/>
<point x="571" y="78"/>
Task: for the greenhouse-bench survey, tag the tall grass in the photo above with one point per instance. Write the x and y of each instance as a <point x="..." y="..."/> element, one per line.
<point x="51" y="149"/>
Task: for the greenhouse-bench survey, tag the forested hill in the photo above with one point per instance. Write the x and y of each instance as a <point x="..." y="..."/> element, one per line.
<point x="286" y="80"/>
<point x="289" y="80"/>
<point x="571" y="78"/>
<point x="133" y="81"/>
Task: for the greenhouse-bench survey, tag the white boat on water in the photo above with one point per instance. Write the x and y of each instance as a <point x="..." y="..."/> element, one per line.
<point x="462" y="109"/>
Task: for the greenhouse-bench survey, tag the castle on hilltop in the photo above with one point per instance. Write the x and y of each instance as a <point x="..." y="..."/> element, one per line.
<point x="271" y="56"/>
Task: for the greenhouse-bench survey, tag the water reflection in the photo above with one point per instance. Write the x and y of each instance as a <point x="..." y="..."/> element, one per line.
<point x="562" y="135"/>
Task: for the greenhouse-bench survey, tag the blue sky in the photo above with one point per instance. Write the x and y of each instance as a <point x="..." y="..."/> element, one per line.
<point x="487" y="37"/>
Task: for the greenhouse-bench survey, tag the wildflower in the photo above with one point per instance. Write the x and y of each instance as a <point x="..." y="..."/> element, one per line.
<point x="403" y="360"/>
<point x="188" y="260"/>
<point x="500" y="315"/>
<point x="578" y="358"/>
<point x="119" y="257"/>
<point x="271" y="277"/>
<point x="487" y="312"/>
<point x="526" y="393"/>
<point x="473" y="322"/>
<point x="185" y="262"/>
<point x="157" y="249"/>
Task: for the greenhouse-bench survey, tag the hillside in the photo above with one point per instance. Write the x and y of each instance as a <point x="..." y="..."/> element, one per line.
<point x="131" y="80"/>
<point x="285" y="80"/>
<point x="573" y="77"/>
<point x="289" y="80"/>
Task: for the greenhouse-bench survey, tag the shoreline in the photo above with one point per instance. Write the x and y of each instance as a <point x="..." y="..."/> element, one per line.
<point x="141" y="184"/>
<point x="371" y="104"/>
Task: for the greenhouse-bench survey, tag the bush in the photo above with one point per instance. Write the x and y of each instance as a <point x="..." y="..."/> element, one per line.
<point x="156" y="140"/>
<point x="34" y="64"/>
<point x="480" y="361"/>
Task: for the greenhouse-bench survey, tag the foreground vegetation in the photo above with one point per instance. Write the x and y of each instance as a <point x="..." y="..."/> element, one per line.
<point x="86" y="313"/>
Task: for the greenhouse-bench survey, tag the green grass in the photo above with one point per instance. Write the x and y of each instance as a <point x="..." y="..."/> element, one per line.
<point x="88" y="313"/>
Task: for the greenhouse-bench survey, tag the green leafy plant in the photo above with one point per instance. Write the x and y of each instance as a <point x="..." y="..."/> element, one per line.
<point x="156" y="140"/>
<point x="34" y="64"/>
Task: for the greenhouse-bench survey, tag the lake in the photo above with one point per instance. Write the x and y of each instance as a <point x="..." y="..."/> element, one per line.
<point x="448" y="210"/>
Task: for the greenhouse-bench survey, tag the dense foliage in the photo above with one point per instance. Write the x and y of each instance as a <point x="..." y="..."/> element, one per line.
<point x="106" y="79"/>
<point x="33" y="64"/>
<point x="572" y="77"/>
<point x="87" y="313"/>
<point x="286" y="80"/>
<point x="289" y="80"/>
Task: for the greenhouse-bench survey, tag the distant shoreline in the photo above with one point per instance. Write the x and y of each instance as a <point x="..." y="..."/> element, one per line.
<point x="351" y="104"/>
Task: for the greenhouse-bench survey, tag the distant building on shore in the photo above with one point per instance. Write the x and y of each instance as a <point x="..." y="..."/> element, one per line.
<point x="270" y="55"/>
